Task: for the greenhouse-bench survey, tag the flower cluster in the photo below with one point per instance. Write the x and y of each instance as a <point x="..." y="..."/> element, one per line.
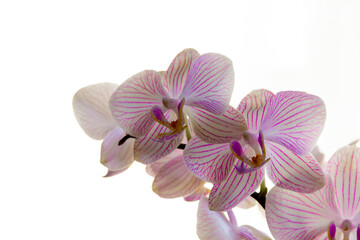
<point x="180" y="124"/>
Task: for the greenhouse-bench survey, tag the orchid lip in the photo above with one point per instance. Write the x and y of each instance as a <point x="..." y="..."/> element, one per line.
<point x="175" y="127"/>
<point x="237" y="150"/>
<point x="242" y="169"/>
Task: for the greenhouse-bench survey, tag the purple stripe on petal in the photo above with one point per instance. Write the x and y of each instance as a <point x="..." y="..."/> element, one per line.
<point x="254" y="107"/>
<point x="323" y="236"/>
<point x="131" y="103"/>
<point x="295" y="120"/>
<point x="210" y="162"/>
<point x="291" y="171"/>
<point x="91" y="109"/>
<point x="234" y="189"/>
<point x="210" y="83"/>
<point x="213" y="128"/>
<point x="292" y="215"/>
<point x="175" y="180"/>
<point x="344" y="169"/>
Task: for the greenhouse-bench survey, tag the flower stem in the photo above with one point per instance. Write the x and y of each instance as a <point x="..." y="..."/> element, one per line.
<point x="260" y="197"/>
<point x="232" y="218"/>
<point x="263" y="186"/>
<point x="187" y="129"/>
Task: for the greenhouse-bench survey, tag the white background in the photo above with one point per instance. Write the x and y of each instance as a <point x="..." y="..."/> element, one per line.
<point x="50" y="175"/>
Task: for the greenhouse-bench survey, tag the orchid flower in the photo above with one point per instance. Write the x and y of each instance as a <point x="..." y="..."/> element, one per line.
<point x="332" y="212"/>
<point x="91" y="109"/>
<point x="215" y="226"/>
<point x="195" y="86"/>
<point x="282" y="130"/>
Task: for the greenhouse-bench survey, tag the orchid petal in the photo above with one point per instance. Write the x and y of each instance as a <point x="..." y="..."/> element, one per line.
<point x="148" y="150"/>
<point x="210" y="83"/>
<point x="247" y="203"/>
<point x="113" y="173"/>
<point x="210" y="162"/>
<point x="166" y="136"/>
<point x="163" y="80"/>
<point x="356" y="220"/>
<point x="198" y="194"/>
<point x="214" y="225"/>
<point x="178" y="71"/>
<point x="295" y="120"/>
<point x="234" y="189"/>
<point x="113" y="156"/>
<point x="132" y="101"/>
<point x="338" y="235"/>
<point x="344" y="169"/>
<point x="91" y="109"/>
<point x="246" y="234"/>
<point x="213" y="128"/>
<point x="323" y="236"/>
<point x="291" y="171"/>
<point x="254" y="107"/>
<point x="292" y="215"/>
<point x="175" y="180"/>
<point x="257" y="233"/>
<point x="153" y="168"/>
